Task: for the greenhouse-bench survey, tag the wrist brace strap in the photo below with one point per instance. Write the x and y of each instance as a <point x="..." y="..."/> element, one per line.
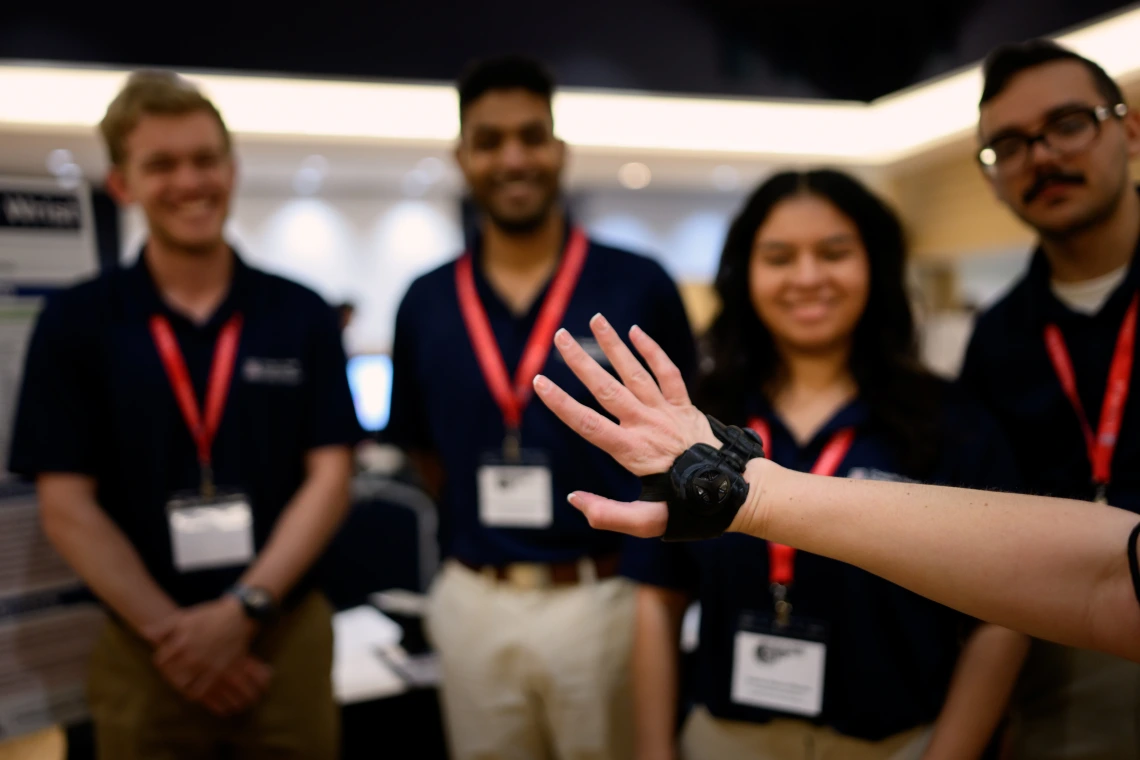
<point x="743" y="443"/>
<point x="705" y="488"/>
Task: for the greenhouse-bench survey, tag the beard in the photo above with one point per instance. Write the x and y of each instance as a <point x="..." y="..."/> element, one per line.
<point x="520" y="225"/>
<point x="516" y="222"/>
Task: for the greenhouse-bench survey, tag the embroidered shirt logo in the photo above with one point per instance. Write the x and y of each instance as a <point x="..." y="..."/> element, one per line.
<point x="273" y="371"/>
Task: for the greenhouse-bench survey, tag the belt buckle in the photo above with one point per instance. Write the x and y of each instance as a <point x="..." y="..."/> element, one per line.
<point x="528" y="576"/>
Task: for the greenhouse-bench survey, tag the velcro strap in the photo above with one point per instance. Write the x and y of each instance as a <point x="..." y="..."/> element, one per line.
<point x="703" y="491"/>
<point x="740" y="444"/>
<point x="656" y="487"/>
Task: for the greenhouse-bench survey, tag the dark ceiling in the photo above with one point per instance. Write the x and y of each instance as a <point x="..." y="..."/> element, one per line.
<point x="778" y="48"/>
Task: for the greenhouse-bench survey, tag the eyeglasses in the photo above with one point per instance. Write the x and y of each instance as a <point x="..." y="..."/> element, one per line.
<point x="1065" y="134"/>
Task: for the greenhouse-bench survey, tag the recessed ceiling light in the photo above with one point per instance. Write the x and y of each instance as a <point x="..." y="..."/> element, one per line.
<point x="414" y="184"/>
<point x="68" y="175"/>
<point x="635" y="175"/>
<point x="726" y="178"/>
<point x="311" y="175"/>
<point x="430" y="169"/>
<point x="317" y="164"/>
<point x="59" y="158"/>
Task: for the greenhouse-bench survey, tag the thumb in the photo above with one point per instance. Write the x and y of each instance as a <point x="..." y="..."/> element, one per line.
<point x="643" y="519"/>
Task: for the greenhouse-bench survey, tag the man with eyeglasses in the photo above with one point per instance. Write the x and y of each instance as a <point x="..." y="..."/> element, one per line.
<point x="1053" y="359"/>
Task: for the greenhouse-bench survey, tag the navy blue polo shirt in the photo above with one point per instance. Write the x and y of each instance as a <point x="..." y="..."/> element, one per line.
<point x="96" y="401"/>
<point x="1007" y="368"/>
<point x="441" y="403"/>
<point x="890" y="653"/>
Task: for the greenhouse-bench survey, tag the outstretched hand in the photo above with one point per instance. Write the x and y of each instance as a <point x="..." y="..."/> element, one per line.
<point x="656" y="420"/>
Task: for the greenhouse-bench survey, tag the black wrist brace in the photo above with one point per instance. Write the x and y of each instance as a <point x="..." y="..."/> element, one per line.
<point x="705" y="488"/>
<point x="743" y="443"/>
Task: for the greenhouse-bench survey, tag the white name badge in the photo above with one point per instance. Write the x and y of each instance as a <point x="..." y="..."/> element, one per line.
<point x="211" y="533"/>
<point x="515" y="496"/>
<point x="778" y="672"/>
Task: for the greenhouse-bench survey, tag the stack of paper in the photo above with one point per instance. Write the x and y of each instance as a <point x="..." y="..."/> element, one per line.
<point x="359" y="673"/>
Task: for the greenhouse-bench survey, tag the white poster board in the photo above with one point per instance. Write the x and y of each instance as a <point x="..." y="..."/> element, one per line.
<point x="47" y="241"/>
<point x="47" y="621"/>
<point x="48" y="624"/>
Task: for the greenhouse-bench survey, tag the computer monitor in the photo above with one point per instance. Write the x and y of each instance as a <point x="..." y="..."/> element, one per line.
<point x="370" y="379"/>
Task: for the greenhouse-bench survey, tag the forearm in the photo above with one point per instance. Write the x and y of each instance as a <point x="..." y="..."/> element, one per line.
<point x="979" y="693"/>
<point x="655" y="654"/>
<point x="306" y="525"/>
<point x="106" y="561"/>
<point x="1051" y="568"/>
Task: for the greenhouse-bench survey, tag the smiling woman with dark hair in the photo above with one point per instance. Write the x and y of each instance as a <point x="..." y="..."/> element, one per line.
<point x="881" y="348"/>
<point x="815" y="346"/>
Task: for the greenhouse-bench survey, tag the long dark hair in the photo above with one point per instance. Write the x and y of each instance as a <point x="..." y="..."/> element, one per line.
<point x="740" y="357"/>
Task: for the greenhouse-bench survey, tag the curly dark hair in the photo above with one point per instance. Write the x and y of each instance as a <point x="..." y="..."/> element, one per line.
<point x="740" y="357"/>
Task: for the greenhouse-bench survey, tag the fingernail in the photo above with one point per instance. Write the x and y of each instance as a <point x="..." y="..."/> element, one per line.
<point x="562" y="338"/>
<point x="634" y="329"/>
<point x="599" y="322"/>
<point x="541" y="383"/>
<point x="573" y="499"/>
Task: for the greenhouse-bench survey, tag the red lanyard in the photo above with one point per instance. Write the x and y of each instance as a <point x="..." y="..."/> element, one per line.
<point x="1103" y="445"/>
<point x="202" y="429"/>
<point x="512" y="399"/>
<point x="781" y="558"/>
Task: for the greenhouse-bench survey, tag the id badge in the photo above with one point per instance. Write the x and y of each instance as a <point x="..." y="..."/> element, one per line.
<point x="515" y="493"/>
<point x="778" y="667"/>
<point x="209" y="533"/>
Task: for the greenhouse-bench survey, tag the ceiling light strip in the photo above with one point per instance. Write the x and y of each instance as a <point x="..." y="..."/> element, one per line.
<point x="892" y="128"/>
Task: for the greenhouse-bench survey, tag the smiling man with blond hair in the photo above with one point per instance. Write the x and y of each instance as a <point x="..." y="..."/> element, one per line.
<point x="188" y="424"/>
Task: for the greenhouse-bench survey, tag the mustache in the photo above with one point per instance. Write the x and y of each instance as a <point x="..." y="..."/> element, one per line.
<point x="1046" y="178"/>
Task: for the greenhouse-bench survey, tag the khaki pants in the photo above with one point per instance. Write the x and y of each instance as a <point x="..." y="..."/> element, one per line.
<point x="1073" y="704"/>
<point x="49" y="744"/>
<point x="138" y="716"/>
<point x="708" y="738"/>
<point x="533" y="674"/>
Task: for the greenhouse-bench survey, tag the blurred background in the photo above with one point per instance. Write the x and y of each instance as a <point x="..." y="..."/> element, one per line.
<point x="674" y="110"/>
<point x="345" y="119"/>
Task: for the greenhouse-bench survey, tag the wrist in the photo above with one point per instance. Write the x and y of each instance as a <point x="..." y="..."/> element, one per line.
<point x="236" y="617"/>
<point x="256" y="604"/>
<point x="706" y="434"/>
<point x="754" y="516"/>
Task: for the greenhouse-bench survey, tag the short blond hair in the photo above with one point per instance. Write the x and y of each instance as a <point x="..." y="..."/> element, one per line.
<point x="152" y="93"/>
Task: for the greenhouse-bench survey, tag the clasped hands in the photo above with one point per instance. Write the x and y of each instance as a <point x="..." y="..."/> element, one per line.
<point x="203" y="652"/>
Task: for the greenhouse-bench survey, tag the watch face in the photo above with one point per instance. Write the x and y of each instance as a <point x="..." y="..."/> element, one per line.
<point x="258" y="599"/>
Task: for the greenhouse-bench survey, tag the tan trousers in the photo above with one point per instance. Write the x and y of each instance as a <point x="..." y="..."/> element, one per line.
<point x="49" y="744"/>
<point x="138" y="716"/>
<point x="533" y="674"/>
<point x="1073" y="704"/>
<point x="707" y="738"/>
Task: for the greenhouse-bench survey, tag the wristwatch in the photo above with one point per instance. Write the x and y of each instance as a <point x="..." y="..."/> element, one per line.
<point x="256" y="602"/>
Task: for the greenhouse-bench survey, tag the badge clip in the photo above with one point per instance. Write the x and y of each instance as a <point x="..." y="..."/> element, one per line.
<point x="783" y="606"/>
<point x="512" y="446"/>
<point x="208" y="489"/>
<point x="1101" y="493"/>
